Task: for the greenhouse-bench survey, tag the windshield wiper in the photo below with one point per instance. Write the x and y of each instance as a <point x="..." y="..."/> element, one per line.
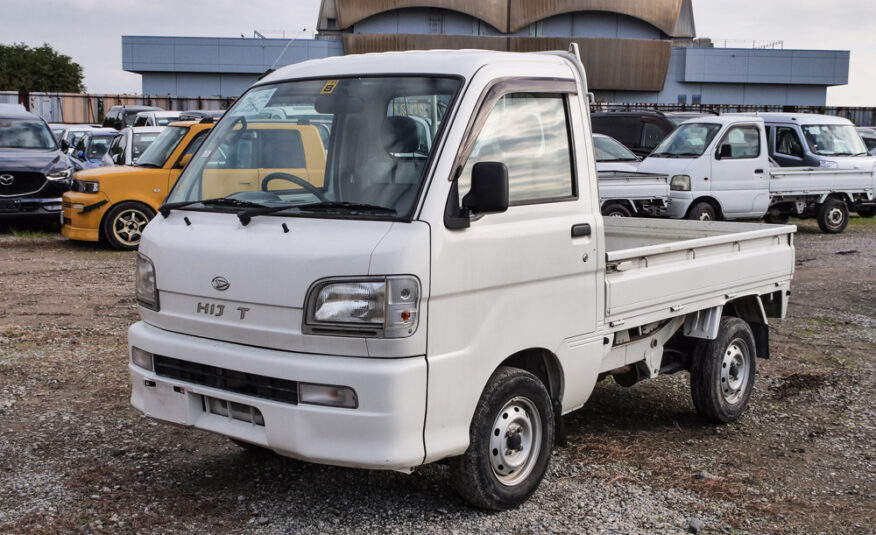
<point x="166" y="208"/>
<point x="352" y="206"/>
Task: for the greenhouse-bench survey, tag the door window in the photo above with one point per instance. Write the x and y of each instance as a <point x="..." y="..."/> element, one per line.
<point x="788" y="142"/>
<point x="652" y="135"/>
<point x="740" y="142"/>
<point x="530" y="135"/>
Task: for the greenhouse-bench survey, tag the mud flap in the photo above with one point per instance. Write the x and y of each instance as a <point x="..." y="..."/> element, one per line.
<point x="761" y="333"/>
<point x="560" y="437"/>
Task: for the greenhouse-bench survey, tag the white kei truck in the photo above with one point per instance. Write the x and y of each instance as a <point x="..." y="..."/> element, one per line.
<point x="720" y="169"/>
<point x="405" y="305"/>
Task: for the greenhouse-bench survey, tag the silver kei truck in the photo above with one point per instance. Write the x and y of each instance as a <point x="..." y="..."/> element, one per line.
<point x="408" y="303"/>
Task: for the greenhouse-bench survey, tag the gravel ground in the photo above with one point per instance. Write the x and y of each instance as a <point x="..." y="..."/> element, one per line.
<point x="76" y="458"/>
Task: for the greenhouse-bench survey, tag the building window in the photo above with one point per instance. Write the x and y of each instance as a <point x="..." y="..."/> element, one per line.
<point x="696" y="99"/>
<point x="682" y="99"/>
<point x="436" y="23"/>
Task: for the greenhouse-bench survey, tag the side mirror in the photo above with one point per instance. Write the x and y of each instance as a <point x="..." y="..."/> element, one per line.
<point x="489" y="189"/>
<point x="184" y="160"/>
<point x="117" y="158"/>
<point x="118" y="125"/>
<point x="65" y="145"/>
<point x="726" y="151"/>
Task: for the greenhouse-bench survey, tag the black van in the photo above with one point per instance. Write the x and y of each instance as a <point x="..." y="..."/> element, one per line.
<point x="640" y="131"/>
<point x="119" y="117"/>
<point x="34" y="172"/>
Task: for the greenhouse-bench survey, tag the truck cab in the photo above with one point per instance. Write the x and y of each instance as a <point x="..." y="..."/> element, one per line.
<point x="412" y="302"/>
<point x="718" y="168"/>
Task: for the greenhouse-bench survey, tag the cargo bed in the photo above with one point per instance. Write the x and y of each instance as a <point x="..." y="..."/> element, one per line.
<point x="662" y="268"/>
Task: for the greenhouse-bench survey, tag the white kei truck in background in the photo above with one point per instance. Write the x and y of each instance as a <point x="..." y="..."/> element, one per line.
<point x="407" y="305"/>
<point x="630" y="193"/>
<point x="719" y="168"/>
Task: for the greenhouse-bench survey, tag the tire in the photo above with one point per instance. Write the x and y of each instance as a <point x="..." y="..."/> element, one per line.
<point x="511" y="436"/>
<point x="833" y="216"/>
<point x="124" y="223"/>
<point x="722" y="372"/>
<point x="702" y="211"/>
<point x="870" y="211"/>
<point x="616" y="210"/>
<point x="776" y="218"/>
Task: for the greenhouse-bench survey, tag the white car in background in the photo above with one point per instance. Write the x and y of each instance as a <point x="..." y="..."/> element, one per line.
<point x="156" y="118"/>
<point x="130" y="143"/>
<point x="612" y="155"/>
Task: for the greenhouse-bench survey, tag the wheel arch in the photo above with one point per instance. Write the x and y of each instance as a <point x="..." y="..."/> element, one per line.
<point x="719" y="212"/>
<point x="750" y="309"/>
<point x="542" y="363"/>
<point x="626" y="203"/>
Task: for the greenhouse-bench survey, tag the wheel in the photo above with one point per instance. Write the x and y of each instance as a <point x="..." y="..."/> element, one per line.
<point x="722" y="372"/>
<point x="123" y="225"/>
<point x="833" y="216"/>
<point x="702" y="211"/>
<point x="277" y="175"/>
<point x="870" y="211"/>
<point x="616" y="210"/>
<point x="776" y="218"/>
<point x="511" y="436"/>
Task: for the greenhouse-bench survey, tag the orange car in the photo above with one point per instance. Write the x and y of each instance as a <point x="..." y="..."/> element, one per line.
<point x="116" y="203"/>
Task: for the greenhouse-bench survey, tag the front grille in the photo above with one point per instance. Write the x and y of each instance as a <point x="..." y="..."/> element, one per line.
<point x="21" y="183"/>
<point x="247" y="384"/>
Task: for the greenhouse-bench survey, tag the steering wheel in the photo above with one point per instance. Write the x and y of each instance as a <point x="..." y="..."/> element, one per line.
<point x="277" y="175"/>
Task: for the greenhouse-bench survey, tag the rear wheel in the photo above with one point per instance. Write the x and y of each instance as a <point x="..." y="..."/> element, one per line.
<point x="511" y="436"/>
<point x="616" y="210"/>
<point x="722" y="372"/>
<point x="123" y="225"/>
<point x="776" y="218"/>
<point x="833" y="216"/>
<point x="703" y="211"/>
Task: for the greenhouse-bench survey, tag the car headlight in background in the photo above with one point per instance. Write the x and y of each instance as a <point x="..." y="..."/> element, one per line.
<point x="147" y="293"/>
<point x="680" y="183"/>
<point x="387" y="307"/>
<point x="84" y="186"/>
<point x="59" y="176"/>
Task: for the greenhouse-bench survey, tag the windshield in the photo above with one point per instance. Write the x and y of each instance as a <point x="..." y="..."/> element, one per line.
<point x="610" y="150"/>
<point x="687" y="141"/>
<point x="347" y="147"/>
<point x="142" y="142"/>
<point x="159" y="151"/>
<point x="834" y="140"/>
<point x="25" y="134"/>
<point x="164" y="121"/>
<point x="98" y="147"/>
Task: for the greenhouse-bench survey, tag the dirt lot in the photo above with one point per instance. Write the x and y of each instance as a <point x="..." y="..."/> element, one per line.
<point x="75" y="457"/>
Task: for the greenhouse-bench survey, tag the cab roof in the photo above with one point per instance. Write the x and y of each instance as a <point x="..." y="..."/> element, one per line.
<point x="439" y="62"/>
<point x="798" y="118"/>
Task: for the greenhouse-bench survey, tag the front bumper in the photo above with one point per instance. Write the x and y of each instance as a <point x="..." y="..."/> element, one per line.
<point x="82" y="215"/>
<point x="384" y="432"/>
<point x="679" y="202"/>
<point x="29" y="207"/>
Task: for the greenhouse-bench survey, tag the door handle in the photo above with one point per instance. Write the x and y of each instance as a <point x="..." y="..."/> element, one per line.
<point x="581" y="230"/>
<point x="758" y="171"/>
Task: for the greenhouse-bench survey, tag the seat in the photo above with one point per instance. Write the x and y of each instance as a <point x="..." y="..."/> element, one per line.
<point x="392" y="179"/>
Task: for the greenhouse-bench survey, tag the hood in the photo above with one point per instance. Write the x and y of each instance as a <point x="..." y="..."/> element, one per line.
<point x="667" y="166"/>
<point x="268" y="272"/>
<point x="623" y="167"/>
<point x="33" y="160"/>
<point x="107" y="173"/>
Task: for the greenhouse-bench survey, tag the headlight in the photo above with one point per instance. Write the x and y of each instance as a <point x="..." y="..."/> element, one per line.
<point x="85" y="186"/>
<point x="141" y="358"/>
<point x="59" y="176"/>
<point x="680" y="183"/>
<point x="387" y="307"/>
<point x="147" y="294"/>
<point x="828" y="164"/>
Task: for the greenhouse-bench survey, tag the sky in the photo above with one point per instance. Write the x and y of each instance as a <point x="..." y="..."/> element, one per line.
<point x="90" y="30"/>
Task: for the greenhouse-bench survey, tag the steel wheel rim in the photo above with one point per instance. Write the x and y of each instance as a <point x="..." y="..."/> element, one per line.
<point x="515" y="441"/>
<point x="835" y="217"/>
<point x="128" y="226"/>
<point x="734" y="371"/>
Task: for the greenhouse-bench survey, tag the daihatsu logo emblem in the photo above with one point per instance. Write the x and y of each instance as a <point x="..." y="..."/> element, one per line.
<point x="220" y="283"/>
<point x="6" y="180"/>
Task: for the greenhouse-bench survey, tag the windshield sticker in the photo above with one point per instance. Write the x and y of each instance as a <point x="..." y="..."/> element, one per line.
<point x="329" y="87"/>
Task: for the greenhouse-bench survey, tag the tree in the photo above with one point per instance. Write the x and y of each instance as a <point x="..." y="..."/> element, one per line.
<point x="24" y="68"/>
